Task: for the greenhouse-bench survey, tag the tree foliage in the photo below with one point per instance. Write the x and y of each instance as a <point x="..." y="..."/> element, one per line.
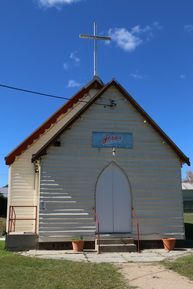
<point x="189" y="177"/>
<point x="3" y="206"/>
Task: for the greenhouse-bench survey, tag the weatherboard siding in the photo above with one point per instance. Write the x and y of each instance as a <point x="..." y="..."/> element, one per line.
<point x="69" y="174"/>
<point x="23" y="188"/>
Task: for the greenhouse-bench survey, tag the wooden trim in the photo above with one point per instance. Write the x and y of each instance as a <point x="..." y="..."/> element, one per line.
<point x="95" y="84"/>
<point x="43" y="149"/>
<point x="146" y="116"/>
<point x="179" y="153"/>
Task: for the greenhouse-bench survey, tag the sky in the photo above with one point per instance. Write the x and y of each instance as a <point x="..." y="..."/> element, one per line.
<point x="150" y="54"/>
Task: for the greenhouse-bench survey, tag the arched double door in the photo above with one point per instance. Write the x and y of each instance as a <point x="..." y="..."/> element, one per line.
<point x="113" y="201"/>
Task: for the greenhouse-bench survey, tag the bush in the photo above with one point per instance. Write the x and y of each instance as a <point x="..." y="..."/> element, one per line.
<point x="2" y="226"/>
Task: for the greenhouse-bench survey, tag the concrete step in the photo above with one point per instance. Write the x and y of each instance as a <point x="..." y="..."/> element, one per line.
<point x="115" y="236"/>
<point x="114" y="241"/>
<point x="117" y="248"/>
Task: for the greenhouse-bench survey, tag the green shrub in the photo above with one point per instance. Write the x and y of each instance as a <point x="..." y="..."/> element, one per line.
<point x="2" y="226"/>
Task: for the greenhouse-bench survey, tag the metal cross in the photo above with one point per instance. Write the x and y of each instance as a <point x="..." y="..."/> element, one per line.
<point x="95" y="37"/>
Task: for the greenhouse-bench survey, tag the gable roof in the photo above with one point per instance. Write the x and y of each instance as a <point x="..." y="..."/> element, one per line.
<point x="96" y="83"/>
<point x="114" y="83"/>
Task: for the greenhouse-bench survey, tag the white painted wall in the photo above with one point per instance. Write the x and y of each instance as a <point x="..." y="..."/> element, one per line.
<point x="69" y="174"/>
<point x="23" y="184"/>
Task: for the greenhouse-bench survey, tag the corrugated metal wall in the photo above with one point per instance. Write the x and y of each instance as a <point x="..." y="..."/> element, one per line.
<point x="69" y="174"/>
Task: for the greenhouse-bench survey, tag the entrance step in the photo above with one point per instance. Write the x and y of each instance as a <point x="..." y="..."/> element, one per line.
<point x="109" y="241"/>
<point x="115" y="244"/>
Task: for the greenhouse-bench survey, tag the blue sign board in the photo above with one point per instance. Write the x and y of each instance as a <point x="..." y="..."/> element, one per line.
<point x="112" y="140"/>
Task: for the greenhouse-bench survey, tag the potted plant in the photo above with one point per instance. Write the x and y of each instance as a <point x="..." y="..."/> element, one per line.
<point x="169" y="243"/>
<point x="77" y="244"/>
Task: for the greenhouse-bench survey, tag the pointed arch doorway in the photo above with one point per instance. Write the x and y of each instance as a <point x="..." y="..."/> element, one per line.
<point x="113" y="201"/>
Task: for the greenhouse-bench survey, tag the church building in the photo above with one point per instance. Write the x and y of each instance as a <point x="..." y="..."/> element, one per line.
<point x="99" y="165"/>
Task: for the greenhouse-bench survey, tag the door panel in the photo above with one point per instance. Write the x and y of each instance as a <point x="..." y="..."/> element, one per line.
<point x="113" y="201"/>
<point x="121" y="201"/>
<point x="104" y="201"/>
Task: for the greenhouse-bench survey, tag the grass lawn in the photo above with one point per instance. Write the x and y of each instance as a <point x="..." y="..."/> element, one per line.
<point x="188" y="220"/>
<point x="19" y="272"/>
<point x="183" y="266"/>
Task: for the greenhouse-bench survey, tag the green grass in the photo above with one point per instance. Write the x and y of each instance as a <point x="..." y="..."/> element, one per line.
<point x="2" y="226"/>
<point x="19" y="272"/>
<point x="188" y="220"/>
<point x="183" y="266"/>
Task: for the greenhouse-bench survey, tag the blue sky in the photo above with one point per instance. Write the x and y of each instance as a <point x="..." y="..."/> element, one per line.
<point x="151" y="55"/>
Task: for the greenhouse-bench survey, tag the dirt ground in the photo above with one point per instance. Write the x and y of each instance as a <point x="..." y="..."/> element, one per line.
<point x="153" y="276"/>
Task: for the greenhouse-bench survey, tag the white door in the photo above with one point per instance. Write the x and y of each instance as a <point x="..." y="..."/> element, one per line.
<point x="113" y="201"/>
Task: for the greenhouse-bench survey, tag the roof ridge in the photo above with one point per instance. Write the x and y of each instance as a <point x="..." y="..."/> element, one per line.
<point x="11" y="157"/>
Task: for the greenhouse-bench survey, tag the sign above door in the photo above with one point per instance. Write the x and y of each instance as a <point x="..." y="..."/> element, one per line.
<point x="112" y="139"/>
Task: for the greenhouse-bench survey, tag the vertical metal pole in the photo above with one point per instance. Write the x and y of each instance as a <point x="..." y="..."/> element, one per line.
<point x="9" y="222"/>
<point x="95" y="50"/>
<point x="98" y="236"/>
<point x="138" y="232"/>
<point x="36" y="215"/>
<point x="14" y="221"/>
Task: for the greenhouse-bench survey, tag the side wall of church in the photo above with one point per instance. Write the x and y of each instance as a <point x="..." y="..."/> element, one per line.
<point x="24" y="182"/>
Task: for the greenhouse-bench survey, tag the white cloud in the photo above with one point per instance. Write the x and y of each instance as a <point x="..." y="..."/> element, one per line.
<point x="138" y="29"/>
<point x="129" y="40"/>
<point x="73" y="83"/>
<point x="65" y="66"/>
<point x="157" y="25"/>
<point x="136" y="75"/>
<point x="74" y="57"/>
<point x="125" y="39"/>
<point x="189" y="28"/>
<point x="52" y="3"/>
<point x="74" y="61"/>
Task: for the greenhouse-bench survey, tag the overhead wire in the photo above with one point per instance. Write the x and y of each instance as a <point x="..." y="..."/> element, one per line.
<point x="45" y="94"/>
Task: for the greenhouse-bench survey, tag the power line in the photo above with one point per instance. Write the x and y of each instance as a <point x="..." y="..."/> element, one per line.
<point x="33" y="92"/>
<point x="44" y="94"/>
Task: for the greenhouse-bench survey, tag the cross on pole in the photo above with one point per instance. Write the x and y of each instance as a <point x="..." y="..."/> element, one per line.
<point x="95" y="37"/>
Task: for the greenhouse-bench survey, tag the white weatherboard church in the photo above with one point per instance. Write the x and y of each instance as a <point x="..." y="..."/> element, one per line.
<point x="101" y="152"/>
<point x="98" y="165"/>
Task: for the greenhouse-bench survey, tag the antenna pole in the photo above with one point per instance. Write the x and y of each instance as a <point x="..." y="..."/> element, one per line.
<point x="95" y="50"/>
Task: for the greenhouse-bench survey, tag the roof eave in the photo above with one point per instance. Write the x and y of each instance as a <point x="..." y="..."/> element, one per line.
<point x="183" y="158"/>
<point x="166" y="138"/>
<point x="10" y="158"/>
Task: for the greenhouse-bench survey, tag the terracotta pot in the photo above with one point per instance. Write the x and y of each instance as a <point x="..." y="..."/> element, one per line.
<point x="78" y="245"/>
<point x="169" y="243"/>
